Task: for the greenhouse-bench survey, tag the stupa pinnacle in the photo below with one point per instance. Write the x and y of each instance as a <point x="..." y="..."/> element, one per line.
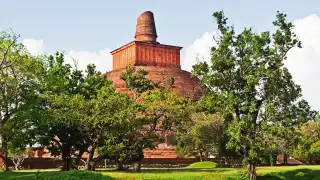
<point x="146" y="28"/>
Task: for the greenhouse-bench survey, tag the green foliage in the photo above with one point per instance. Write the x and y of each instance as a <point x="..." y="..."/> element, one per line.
<point x="18" y="92"/>
<point x="202" y="165"/>
<point x="66" y="102"/>
<point x="113" y="118"/>
<point x="204" y="134"/>
<point x="2" y="168"/>
<point x="241" y="174"/>
<point x="164" y="109"/>
<point x="307" y="142"/>
<point x="247" y="80"/>
<point x="137" y="81"/>
<point x="154" y="112"/>
<point x="315" y="149"/>
<point x="298" y="174"/>
<point x="124" y="147"/>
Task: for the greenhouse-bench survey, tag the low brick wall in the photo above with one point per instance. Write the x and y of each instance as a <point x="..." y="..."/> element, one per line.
<point x="50" y="163"/>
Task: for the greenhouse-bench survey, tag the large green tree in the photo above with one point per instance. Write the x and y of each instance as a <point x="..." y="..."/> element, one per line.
<point x="248" y="78"/>
<point x="66" y="94"/>
<point x="156" y="111"/>
<point x="205" y="134"/>
<point x="110" y="114"/>
<point x="18" y="88"/>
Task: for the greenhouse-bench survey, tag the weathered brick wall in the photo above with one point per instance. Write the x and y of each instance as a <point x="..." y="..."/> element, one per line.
<point x="153" y="54"/>
<point x="124" y="56"/>
<point x="146" y="54"/>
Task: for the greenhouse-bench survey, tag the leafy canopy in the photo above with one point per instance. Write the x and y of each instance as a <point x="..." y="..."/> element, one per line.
<point x="246" y="78"/>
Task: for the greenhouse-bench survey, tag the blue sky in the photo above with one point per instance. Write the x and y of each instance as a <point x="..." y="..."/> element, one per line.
<point x="94" y="25"/>
<point x="89" y="30"/>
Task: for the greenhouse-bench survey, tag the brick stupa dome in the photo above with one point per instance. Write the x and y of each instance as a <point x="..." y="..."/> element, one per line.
<point x="161" y="61"/>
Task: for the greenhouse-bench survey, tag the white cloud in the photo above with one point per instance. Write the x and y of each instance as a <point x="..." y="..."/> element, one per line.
<point x="102" y="59"/>
<point x="304" y="63"/>
<point x="199" y="50"/>
<point x="35" y="47"/>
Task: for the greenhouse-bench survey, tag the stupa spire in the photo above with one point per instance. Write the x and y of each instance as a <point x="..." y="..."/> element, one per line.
<point x="146" y="28"/>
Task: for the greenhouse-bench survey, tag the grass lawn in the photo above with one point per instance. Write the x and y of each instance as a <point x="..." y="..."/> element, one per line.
<point x="201" y="165"/>
<point x="303" y="172"/>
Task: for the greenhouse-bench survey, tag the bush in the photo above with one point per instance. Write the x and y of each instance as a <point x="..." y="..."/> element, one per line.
<point x="202" y="165"/>
<point x="2" y="168"/>
<point x="73" y="175"/>
<point x="242" y="175"/>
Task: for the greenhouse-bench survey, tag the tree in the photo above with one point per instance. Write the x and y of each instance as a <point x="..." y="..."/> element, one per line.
<point x="17" y="155"/>
<point x="18" y="86"/>
<point x="137" y="81"/>
<point x="19" y="133"/>
<point x="8" y="49"/>
<point x="205" y="134"/>
<point x="126" y="145"/>
<point x="199" y="136"/>
<point x="155" y="111"/>
<point x="248" y="77"/>
<point x="111" y="112"/>
<point x="66" y="129"/>
<point x="66" y="96"/>
<point x="307" y="141"/>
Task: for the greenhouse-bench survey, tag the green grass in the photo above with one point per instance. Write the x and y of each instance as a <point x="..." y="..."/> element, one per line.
<point x="202" y="165"/>
<point x="303" y="172"/>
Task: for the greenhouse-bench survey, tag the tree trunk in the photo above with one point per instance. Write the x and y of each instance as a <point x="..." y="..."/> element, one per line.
<point x="120" y="166"/>
<point x="67" y="163"/>
<point x="271" y="159"/>
<point x="90" y="163"/>
<point x="85" y="164"/>
<point x="200" y="156"/>
<point x="77" y="161"/>
<point x="5" y="152"/>
<point x="137" y="166"/>
<point x="66" y="158"/>
<point x="18" y="162"/>
<point x="16" y="166"/>
<point x="310" y="159"/>
<point x="252" y="172"/>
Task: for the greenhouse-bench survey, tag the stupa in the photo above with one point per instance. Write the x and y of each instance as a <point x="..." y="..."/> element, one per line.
<point x="161" y="61"/>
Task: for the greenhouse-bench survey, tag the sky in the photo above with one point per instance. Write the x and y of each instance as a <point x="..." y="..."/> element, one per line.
<point x="88" y="30"/>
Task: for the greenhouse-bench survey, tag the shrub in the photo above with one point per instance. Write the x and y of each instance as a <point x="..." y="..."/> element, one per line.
<point x="242" y="175"/>
<point x="202" y="165"/>
<point x="2" y="168"/>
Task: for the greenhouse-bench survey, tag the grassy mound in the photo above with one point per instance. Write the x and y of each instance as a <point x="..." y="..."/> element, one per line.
<point x="202" y="165"/>
<point x="73" y="175"/>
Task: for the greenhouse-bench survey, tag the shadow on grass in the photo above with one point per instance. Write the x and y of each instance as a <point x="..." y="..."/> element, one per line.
<point x="44" y="175"/>
<point x="18" y="175"/>
<point x="298" y="174"/>
<point x="169" y="170"/>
